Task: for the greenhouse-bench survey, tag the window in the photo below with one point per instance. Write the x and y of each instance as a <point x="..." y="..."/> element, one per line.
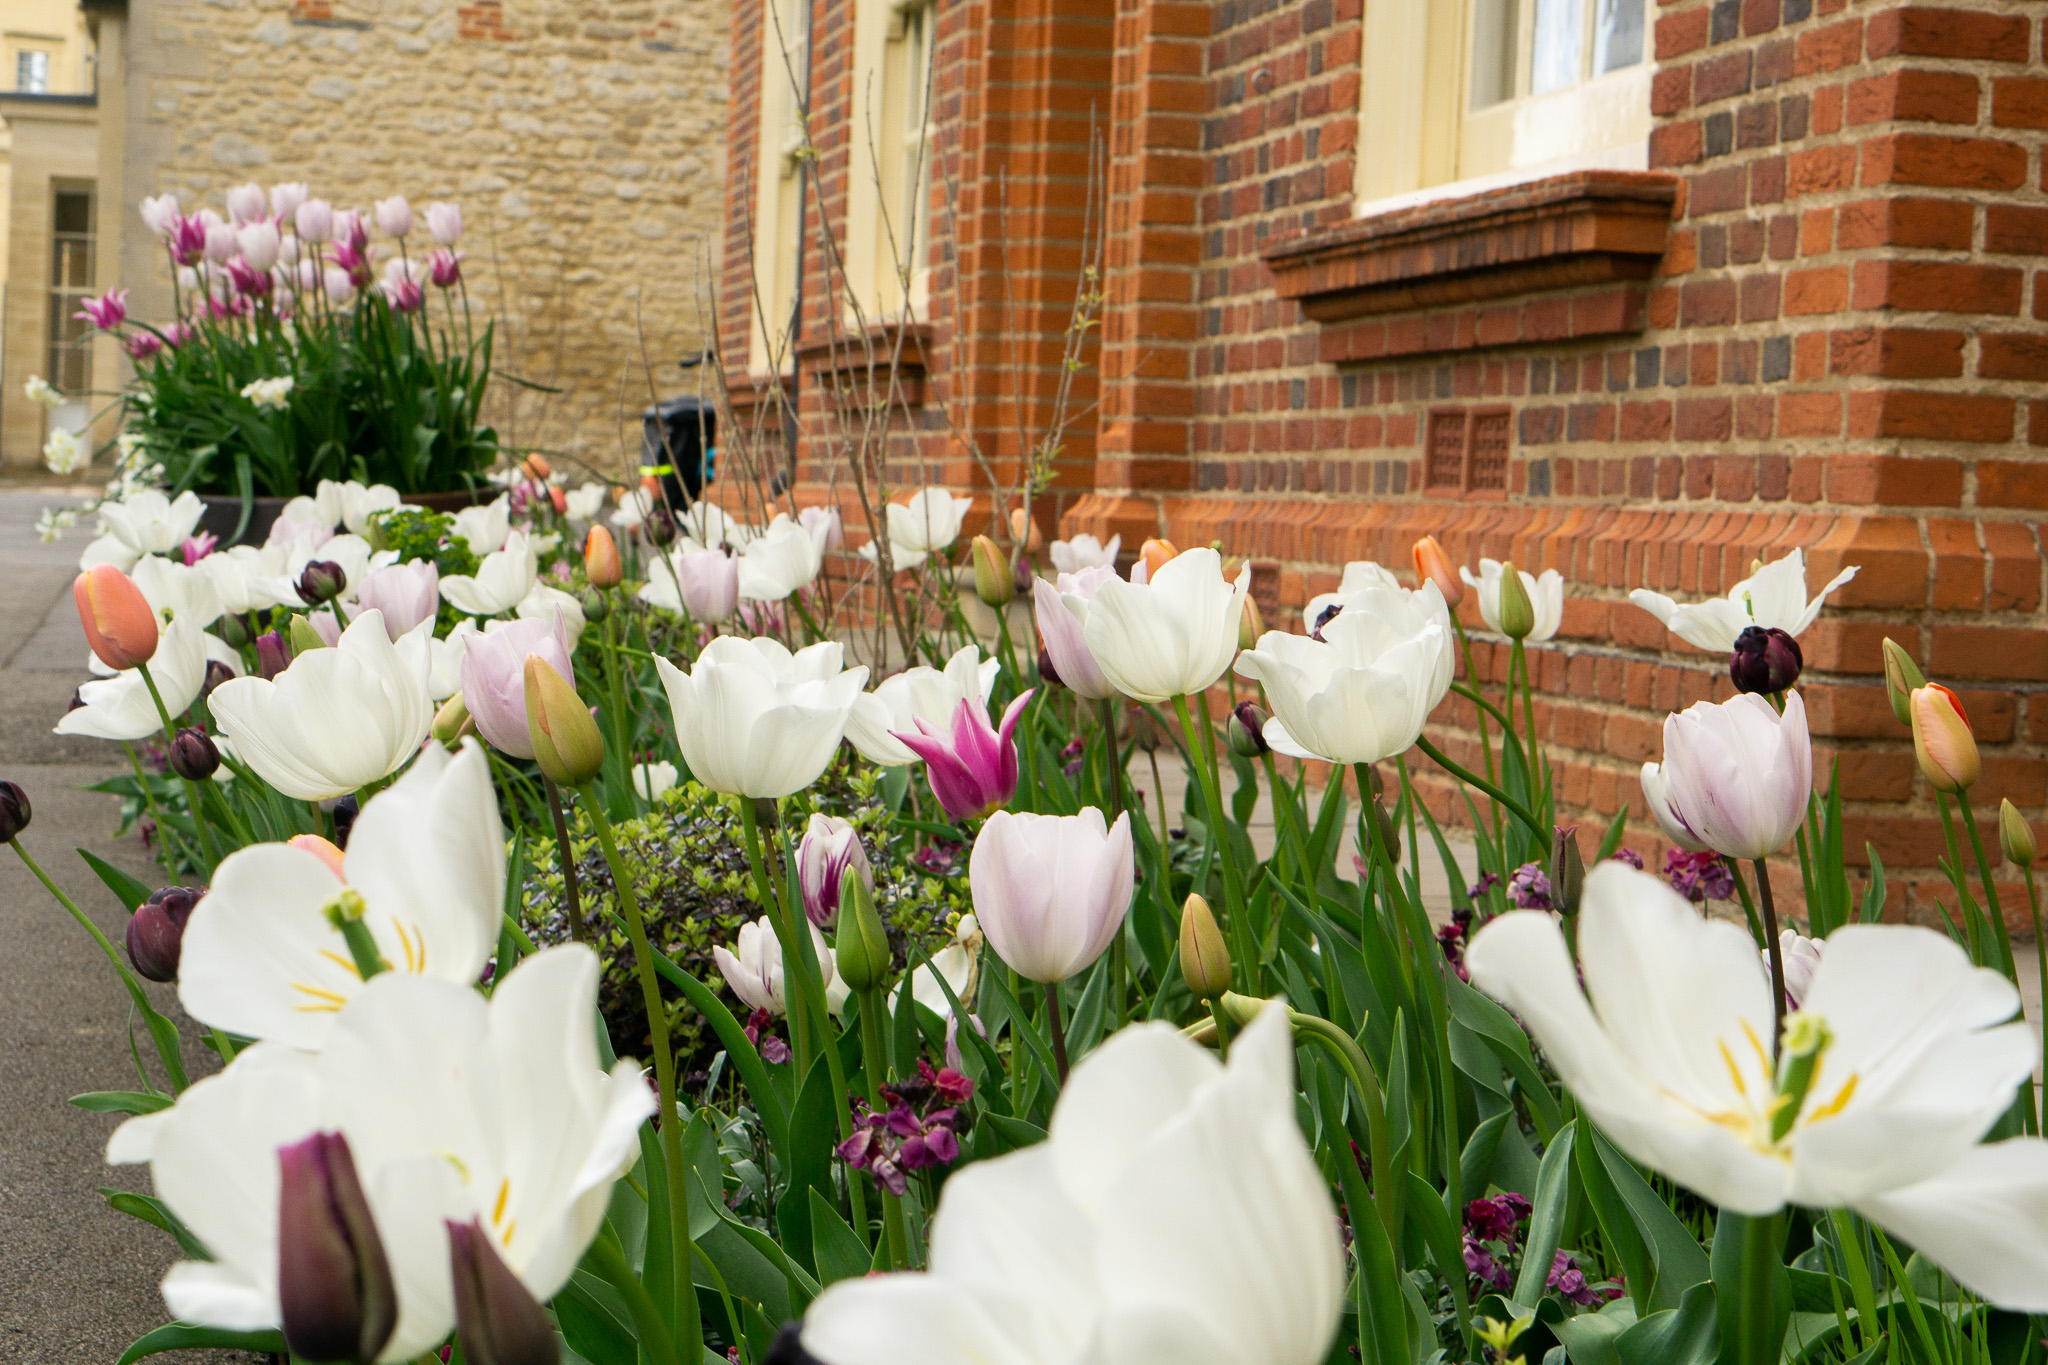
<point x="780" y="200"/>
<point x="71" y="282"/>
<point x="1469" y="93"/>
<point x="888" y="227"/>
<point x="31" y="73"/>
<point x="1466" y="451"/>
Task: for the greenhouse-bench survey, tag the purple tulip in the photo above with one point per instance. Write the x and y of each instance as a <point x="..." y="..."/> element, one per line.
<point x="494" y="677"/>
<point x="334" y="1285"/>
<point x="973" y="771"/>
<point x="497" y="1319"/>
<point x="156" y="931"/>
<point x="107" y="312"/>
<point x="708" y="581"/>
<point x="831" y="847"/>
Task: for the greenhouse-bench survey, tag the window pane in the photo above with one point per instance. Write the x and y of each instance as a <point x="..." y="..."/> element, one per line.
<point x="1493" y="52"/>
<point x="72" y="212"/>
<point x="32" y="73"/>
<point x="1618" y="37"/>
<point x="1560" y="39"/>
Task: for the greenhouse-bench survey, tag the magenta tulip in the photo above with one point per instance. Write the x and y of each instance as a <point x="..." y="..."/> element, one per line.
<point x="973" y="771"/>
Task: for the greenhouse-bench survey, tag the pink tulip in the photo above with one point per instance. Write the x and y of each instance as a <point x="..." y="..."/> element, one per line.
<point x="160" y="214"/>
<point x="709" y="583"/>
<point x="973" y="771"/>
<point x="1051" y="891"/>
<point x="248" y="280"/>
<point x="824" y="525"/>
<point x="260" y="244"/>
<point x="407" y="594"/>
<point x="830" y="848"/>
<point x="351" y="230"/>
<point x="402" y="294"/>
<point x="187" y="241"/>
<point x="1062" y="611"/>
<point x="143" y="345"/>
<point x="394" y="216"/>
<point x="286" y="199"/>
<point x="445" y="268"/>
<point x="247" y="203"/>
<point x="220" y="242"/>
<point x="315" y="221"/>
<point x="494" y="677"/>
<point x="444" y="222"/>
<point x="107" y="312"/>
<point x="326" y="625"/>
<point x="197" y="547"/>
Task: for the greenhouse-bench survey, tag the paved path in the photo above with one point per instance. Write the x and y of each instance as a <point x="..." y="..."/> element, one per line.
<point x="77" y="1280"/>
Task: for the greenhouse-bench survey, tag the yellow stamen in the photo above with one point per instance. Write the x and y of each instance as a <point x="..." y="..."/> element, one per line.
<point x="510" y="1228"/>
<point x="1734" y="1071"/>
<point x="1837" y="1104"/>
<point x="504" y="1189"/>
<point x="338" y="960"/>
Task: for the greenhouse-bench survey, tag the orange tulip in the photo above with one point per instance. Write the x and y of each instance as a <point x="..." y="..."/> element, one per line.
<point x="1433" y="565"/>
<point x="560" y="500"/>
<point x="119" y="624"/>
<point x="1942" y="740"/>
<point x="1155" y="554"/>
<point x="1024" y="531"/>
<point x="601" y="559"/>
<point x="538" y="469"/>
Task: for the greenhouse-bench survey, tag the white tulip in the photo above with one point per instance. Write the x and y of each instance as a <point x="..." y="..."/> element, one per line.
<point x="544" y="602"/>
<point x="707" y="525"/>
<point x="335" y="719"/>
<point x="1363" y="692"/>
<point x="782" y="560"/>
<point x="1174" y="1214"/>
<point x="1801" y="956"/>
<point x="501" y="582"/>
<point x="753" y="968"/>
<point x="427" y="860"/>
<point x="120" y="707"/>
<point x="900" y="700"/>
<point x="1546" y="596"/>
<point x="143" y="523"/>
<point x="1359" y="575"/>
<point x="1916" y="1062"/>
<point x="1773" y="597"/>
<point x="1735" y="776"/>
<point x="484" y="526"/>
<point x="652" y="779"/>
<point x="1172" y="635"/>
<point x="926" y="525"/>
<point x="249" y="578"/>
<point x="586" y="502"/>
<point x="1061" y="610"/>
<point x="754" y="720"/>
<point x="958" y="963"/>
<point x="175" y="591"/>
<point x="1085" y="552"/>
<point x="1051" y="891"/>
<point x="444" y="656"/>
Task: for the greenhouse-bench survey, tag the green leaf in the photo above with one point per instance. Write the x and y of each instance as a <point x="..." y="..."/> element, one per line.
<point x="1015" y="1133"/>
<point x="1679" y="1260"/>
<point x="122" y="1102"/>
<point x="1510" y="1044"/>
<point x="813" y="1133"/>
<point x="1546" y="1216"/>
<point x="1689" y="1334"/>
<point x="178" y="1336"/>
<point x="129" y="891"/>
<point x="1589" y="1338"/>
<point x="1611" y="841"/>
<point x="1873" y="896"/>
<point x="595" y="1321"/>
<point x="157" y="1214"/>
<point x="835" y="1249"/>
<point x="1445" y="1245"/>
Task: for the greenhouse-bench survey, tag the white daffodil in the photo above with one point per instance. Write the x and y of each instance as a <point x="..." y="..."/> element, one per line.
<point x="175" y="591"/>
<point x="272" y="394"/>
<point x="1359" y="575"/>
<point x="753" y="719"/>
<point x="926" y="525"/>
<point x="40" y="391"/>
<point x="752" y="967"/>
<point x="457" y="1108"/>
<point x="502" y="581"/>
<point x="900" y="700"/>
<point x="1736" y="776"/>
<point x="484" y="526"/>
<point x="424" y="871"/>
<point x="782" y="560"/>
<point x="1774" y="597"/>
<point x="1899" y="1060"/>
<point x="1174" y="1214"/>
<point x="120" y="707"/>
<point x="1172" y="635"/>
<point x="1546" y="597"/>
<point x="1084" y="552"/>
<point x="144" y="523"/>
<point x="1363" y="692"/>
<point x="335" y="719"/>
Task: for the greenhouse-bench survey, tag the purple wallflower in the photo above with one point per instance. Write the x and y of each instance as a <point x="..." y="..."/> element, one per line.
<point x="1529" y="888"/>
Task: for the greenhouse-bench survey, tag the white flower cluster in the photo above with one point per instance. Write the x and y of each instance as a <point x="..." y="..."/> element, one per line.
<point x="269" y="393"/>
<point x="64" y="453"/>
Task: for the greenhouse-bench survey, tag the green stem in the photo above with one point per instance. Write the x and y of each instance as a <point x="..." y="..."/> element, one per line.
<point x="690" y="1330"/>
<point x="620" y="730"/>
<point x="1212" y="801"/>
<point x="1759" y="1259"/>
<point x="1955" y="872"/>
<point x="1775" y="952"/>
<point x="1358" y="1068"/>
<point x="578" y="931"/>
<point x="1481" y="706"/>
<point x="1465" y="775"/>
<point x="199" y="821"/>
<point x="1057" y="1029"/>
<point x="1992" y="905"/>
<point x="1756" y="926"/>
<point x="1518" y="663"/>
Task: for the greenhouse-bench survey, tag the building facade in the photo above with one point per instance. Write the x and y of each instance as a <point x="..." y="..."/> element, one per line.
<point x="582" y="138"/>
<point x="1643" y="292"/>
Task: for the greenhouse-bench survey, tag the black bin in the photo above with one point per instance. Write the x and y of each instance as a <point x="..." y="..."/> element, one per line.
<point x="679" y="445"/>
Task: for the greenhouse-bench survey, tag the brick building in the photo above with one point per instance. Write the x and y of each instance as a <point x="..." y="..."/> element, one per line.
<point x="1637" y="291"/>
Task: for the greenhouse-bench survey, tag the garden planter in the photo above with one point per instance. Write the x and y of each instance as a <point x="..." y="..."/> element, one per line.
<point x="224" y="512"/>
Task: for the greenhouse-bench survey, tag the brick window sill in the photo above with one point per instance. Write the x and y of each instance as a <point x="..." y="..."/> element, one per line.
<point x="1567" y="232"/>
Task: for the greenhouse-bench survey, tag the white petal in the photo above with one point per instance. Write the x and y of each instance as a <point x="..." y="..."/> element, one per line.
<point x="1984" y="1221"/>
<point x="1114" y="1101"/>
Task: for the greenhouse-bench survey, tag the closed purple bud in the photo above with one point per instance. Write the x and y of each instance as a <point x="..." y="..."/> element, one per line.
<point x="322" y="581"/>
<point x="497" y="1319"/>
<point x="156" y="931"/>
<point x="1247" y="731"/>
<point x="1764" y="660"/>
<point x="216" y="674"/>
<point x="333" y="1282"/>
<point x="661" y="527"/>
<point x="14" y="811"/>
<point x="193" y="756"/>
<point x="273" y="654"/>
<point x="1047" y="674"/>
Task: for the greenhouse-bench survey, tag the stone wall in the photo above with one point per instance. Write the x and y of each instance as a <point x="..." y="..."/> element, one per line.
<point x="584" y="140"/>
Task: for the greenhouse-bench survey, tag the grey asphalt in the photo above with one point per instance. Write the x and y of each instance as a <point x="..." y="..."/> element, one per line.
<point x="78" y="1281"/>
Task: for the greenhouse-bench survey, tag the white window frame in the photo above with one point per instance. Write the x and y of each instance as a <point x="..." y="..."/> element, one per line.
<point x="778" y="186"/>
<point x="888" y="230"/>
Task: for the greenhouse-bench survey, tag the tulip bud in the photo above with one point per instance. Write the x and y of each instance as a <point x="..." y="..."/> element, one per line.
<point x="305" y="636"/>
<point x="661" y="527"/>
<point x="1024" y="531"/>
<point x="537" y="468"/>
<point x="1047" y="673"/>
<point x="601" y="559"/>
<point x="1567" y="870"/>
<point x="1154" y="555"/>
<point x="334" y="1285"/>
<point x="1942" y="740"/>
<point x="1025" y="572"/>
<point x="273" y="654"/>
<point x="1764" y="660"/>
<point x="216" y="674"/>
<point x="156" y="931"/>
<point x="2015" y="835"/>
<point x="1517" y="612"/>
<point x="1901" y="676"/>
<point x="596" y="606"/>
<point x="1246" y="731"/>
<point x="14" y="811"/>
<point x="235" y="630"/>
<point x="497" y="1319"/>
<point x="829" y="850"/>
<point x="1204" y="957"/>
<point x="193" y="756"/>
<point x="323" y="580"/>
<point x="862" y="954"/>
<point x="1434" y="566"/>
<point x="995" y="581"/>
<point x="452" y="721"/>
<point x="119" y="624"/>
<point x="566" y="741"/>
<point x="1251" y="624"/>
